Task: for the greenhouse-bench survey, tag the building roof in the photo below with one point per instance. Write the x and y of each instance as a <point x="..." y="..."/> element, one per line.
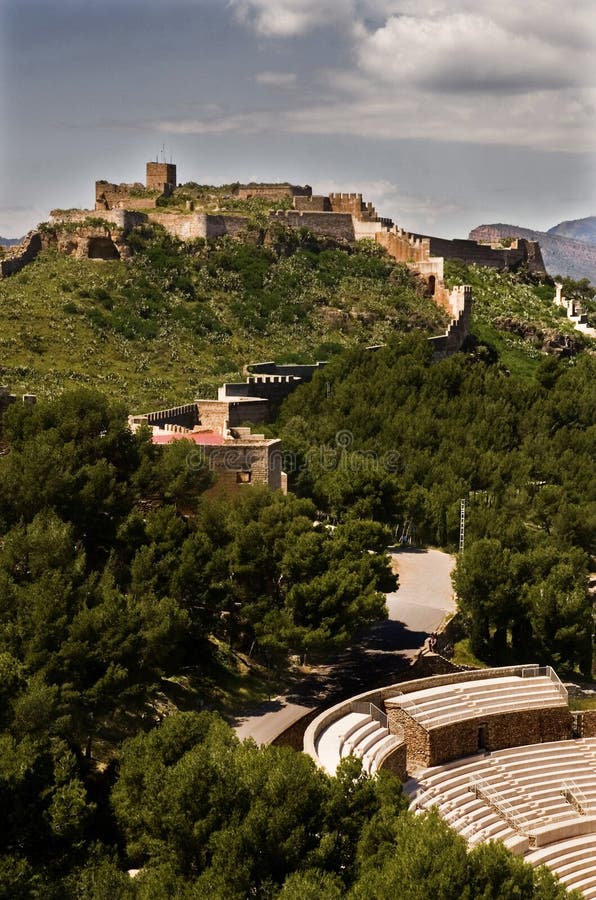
<point x="202" y="438"/>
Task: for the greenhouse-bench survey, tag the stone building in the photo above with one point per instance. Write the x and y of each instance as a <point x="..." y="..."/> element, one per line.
<point x="235" y="455"/>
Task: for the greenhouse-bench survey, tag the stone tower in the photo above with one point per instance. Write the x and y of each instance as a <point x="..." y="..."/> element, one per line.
<point x="161" y="177"/>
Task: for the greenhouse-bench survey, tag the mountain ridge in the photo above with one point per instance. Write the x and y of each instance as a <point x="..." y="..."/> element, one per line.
<point x="562" y="255"/>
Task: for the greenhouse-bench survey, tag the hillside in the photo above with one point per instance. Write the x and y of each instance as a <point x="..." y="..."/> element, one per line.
<point x="562" y="255"/>
<point x="178" y="319"/>
<point x="519" y="317"/>
<point x="577" y="229"/>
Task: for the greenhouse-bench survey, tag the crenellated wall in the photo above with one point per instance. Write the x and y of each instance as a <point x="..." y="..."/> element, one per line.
<point x="403" y="247"/>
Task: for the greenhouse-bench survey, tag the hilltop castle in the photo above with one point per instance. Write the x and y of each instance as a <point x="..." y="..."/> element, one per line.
<point x="101" y="233"/>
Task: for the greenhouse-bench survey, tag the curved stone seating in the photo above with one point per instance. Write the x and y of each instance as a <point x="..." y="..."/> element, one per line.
<point x="573" y="860"/>
<point x="528" y="810"/>
<point x="446" y="704"/>
<point x="356" y="734"/>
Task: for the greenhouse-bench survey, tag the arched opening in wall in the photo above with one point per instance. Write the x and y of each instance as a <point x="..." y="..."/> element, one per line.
<point x="102" y="248"/>
<point x="431" y="285"/>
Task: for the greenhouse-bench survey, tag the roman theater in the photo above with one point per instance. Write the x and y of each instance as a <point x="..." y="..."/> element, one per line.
<point x="497" y="752"/>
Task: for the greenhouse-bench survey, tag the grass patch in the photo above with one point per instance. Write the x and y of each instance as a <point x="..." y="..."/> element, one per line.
<point x="577" y="703"/>
<point x="463" y="656"/>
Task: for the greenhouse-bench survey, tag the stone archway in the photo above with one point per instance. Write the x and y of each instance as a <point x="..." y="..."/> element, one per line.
<point x="102" y="248"/>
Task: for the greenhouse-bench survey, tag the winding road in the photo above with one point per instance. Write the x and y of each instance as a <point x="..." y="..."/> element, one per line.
<point x="422" y="602"/>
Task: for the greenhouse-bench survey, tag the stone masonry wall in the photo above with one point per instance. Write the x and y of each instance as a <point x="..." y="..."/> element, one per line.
<point x="586" y="723"/>
<point x="273" y="191"/>
<point x="485" y="255"/>
<point x="352" y="204"/>
<point x="315" y="203"/>
<point x="458" y="739"/>
<point x="199" y="225"/>
<point x="416" y="738"/>
<point x="216" y="414"/>
<point x="338" y="226"/>
<point x="160" y="176"/>
<point x="404" y="247"/>
<point x="396" y="763"/>
<point x="261" y="458"/>
<point x="108" y="196"/>
<point x="23" y="253"/>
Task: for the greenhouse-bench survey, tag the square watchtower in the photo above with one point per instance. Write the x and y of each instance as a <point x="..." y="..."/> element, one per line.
<point x="161" y="176"/>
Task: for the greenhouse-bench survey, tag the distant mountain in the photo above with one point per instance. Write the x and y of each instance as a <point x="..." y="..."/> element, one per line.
<point x="562" y="255"/>
<point x="577" y="229"/>
<point x="9" y="242"/>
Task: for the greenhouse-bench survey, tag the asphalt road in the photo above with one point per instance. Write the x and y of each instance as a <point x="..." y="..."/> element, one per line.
<point x="416" y="609"/>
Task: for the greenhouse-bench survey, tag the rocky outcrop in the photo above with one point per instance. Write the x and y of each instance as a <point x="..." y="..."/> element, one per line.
<point x="23" y="253"/>
<point x="548" y="340"/>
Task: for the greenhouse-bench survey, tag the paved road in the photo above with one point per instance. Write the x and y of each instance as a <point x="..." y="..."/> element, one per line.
<point x="417" y="609"/>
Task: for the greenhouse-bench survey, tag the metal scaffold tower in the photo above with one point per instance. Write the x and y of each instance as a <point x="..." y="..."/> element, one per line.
<point x="462" y="525"/>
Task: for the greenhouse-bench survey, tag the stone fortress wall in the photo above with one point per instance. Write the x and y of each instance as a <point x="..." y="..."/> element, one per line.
<point x="344" y="217"/>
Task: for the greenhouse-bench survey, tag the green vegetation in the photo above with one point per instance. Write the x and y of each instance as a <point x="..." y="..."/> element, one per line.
<point x="133" y="603"/>
<point x="108" y="615"/>
<point x="222" y="199"/>
<point x="391" y="436"/>
<point x="179" y="318"/>
<point x="515" y="312"/>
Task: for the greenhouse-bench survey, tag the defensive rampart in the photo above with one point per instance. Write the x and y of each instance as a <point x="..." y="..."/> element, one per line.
<point x="338" y="226"/>
<point x="521" y="252"/>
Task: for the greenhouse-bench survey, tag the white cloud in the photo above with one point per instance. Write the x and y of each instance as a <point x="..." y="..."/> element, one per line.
<point x="282" y="80"/>
<point x="255" y="122"/>
<point x="462" y="53"/>
<point x="289" y="18"/>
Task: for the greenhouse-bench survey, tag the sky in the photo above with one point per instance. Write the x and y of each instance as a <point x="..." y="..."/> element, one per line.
<point x="447" y="114"/>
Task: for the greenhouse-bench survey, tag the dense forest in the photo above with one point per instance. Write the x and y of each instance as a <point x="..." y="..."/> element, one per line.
<point x="102" y="601"/>
<point x="124" y="577"/>
<point x="392" y="436"/>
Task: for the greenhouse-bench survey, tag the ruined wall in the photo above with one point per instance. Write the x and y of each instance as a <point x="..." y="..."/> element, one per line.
<point x="91" y="242"/>
<point x="111" y="196"/>
<point x="23" y="253"/>
<point x="520" y="252"/>
<point x="122" y="218"/>
<point x="338" y="226"/>
<point x="273" y="191"/>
